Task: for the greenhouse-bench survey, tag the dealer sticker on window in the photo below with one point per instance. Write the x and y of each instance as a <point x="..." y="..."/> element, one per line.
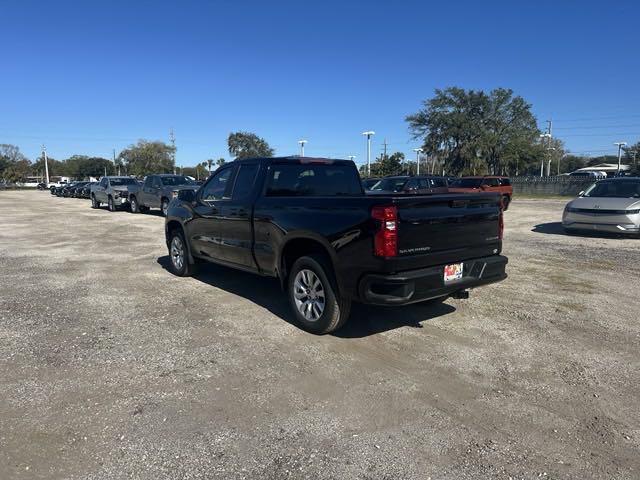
<point x="453" y="272"/>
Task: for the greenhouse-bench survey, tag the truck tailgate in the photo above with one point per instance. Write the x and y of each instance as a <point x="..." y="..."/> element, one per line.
<point x="442" y="228"/>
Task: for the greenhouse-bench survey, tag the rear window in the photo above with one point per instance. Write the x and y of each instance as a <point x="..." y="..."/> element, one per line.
<point x="312" y="181"/>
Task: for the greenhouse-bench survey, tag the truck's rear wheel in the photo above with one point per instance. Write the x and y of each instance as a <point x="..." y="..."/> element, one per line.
<point x="94" y="203"/>
<point x="178" y="256"/>
<point x="506" y="200"/>
<point x="313" y="296"/>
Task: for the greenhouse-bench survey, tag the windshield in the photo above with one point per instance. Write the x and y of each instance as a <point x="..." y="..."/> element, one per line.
<point x="176" y="180"/>
<point x="616" y="189"/>
<point x="122" y="181"/>
<point x="467" y="183"/>
<point x="390" y="184"/>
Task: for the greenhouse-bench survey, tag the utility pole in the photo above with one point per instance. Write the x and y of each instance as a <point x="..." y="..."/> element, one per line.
<point x="46" y="163"/>
<point x="620" y="145"/>
<point x="302" y="142"/>
<point x="172" y="139"/>
<point x="418" y="152"/>
<point x="384" y="145"/>
<point x="369" y="134"/>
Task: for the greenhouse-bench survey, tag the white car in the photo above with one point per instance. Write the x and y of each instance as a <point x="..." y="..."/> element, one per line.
<point x="611" y="205"/>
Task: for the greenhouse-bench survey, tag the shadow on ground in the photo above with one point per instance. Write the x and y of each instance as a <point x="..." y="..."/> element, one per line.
<point x="365" y="320"/>
<point x="551" y="228"/>
<point x="555" y="228"/>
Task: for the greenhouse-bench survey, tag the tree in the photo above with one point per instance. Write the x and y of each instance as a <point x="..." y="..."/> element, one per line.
<point x="476" y="132"/>
<point x="221" y="161"/>
<point x="571" y="163"/>
<point x="147" y="157"/>
<point x="248" y="145"/>
<point x="632" y="155"/>
<point x="13" y="164"/>
<point x="385" y="165"/>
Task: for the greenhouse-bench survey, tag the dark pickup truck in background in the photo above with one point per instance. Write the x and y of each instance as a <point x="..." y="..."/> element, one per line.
<point x="157" y="191"/>
<point x="308" y="222"/>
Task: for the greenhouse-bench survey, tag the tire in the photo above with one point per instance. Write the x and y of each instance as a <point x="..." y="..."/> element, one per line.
<point x="143" y="209"/>
<point x="110" y="204"/>
<point x="133" y="203"/>
<point x="164" y="206"/>
<point x="506" y="200"/>
<point x="94" y="203"/>
<point x="178" y="257"/>
<point x="310" y="281"/>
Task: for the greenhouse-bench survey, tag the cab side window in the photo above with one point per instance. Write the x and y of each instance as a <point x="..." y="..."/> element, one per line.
<point x="243" y="185"/>
<point x="411" y="184"/>
<point x="218" y="187"/>
<point x="492" y="182"/>
<point x="156" y="182"/>
<point x="148" y="181"/>
<point x="104" y="182"/>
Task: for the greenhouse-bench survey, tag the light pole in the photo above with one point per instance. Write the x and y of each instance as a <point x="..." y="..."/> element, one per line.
<point x="302" y="142"/>
<point x="418" y="152"/>
<point x="620" y="145"/>
<point x="369" y="134"/>
<point x="46" y="164"/>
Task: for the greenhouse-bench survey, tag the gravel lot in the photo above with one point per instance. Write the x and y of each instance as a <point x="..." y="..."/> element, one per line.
<point x="113" y="368"/>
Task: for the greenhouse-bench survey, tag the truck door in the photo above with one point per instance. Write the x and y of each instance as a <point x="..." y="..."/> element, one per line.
<point x="237" y="218"/>
<point x="205" y="229"/>
<point x="152" y="193"/>
<point x="145" y="191"/>
<point x="101" y="190"/>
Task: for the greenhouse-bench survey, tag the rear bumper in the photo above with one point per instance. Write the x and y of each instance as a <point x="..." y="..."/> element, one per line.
<point x="428" y="283"/>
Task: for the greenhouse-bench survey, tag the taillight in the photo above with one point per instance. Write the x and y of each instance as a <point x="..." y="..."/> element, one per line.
<point x="386" y="238"/>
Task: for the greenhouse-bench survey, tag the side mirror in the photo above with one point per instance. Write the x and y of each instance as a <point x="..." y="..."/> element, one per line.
<point x="188" y="196"/>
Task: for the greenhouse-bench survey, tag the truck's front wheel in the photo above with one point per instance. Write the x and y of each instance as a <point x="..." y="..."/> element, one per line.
<point x="133" y="202"/>
<point x="94" y="203"/>
<point x="178" y="256"/>
<point x="314" y="297"/>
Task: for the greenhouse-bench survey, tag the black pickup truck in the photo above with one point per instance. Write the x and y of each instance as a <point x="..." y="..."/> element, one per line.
<point x="308" y="222"/>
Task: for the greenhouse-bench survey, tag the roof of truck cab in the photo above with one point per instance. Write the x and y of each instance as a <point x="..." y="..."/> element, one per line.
<point x="292" y="159"/>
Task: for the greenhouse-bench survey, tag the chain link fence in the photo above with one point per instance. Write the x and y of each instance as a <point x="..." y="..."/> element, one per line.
<point x="565" y="186"/>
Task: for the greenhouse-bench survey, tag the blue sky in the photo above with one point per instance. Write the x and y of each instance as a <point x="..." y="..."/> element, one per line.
<point x="87" y="77"/>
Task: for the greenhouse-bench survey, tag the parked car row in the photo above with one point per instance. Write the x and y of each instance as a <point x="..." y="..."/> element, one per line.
<point x="430" y="184"/>
<point x="156" y="191"/>
<point x="73" y="189"/>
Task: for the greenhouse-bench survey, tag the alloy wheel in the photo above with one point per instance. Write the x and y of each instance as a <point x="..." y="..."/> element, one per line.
<point x="177" y="252"/>
<point x="309" y="295"/>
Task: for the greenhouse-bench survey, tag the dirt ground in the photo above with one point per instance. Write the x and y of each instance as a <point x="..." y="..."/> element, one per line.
<point x="113" y="368"/>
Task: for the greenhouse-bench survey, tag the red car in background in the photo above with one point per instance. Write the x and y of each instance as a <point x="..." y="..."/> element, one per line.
<point x="485" y="183"/>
